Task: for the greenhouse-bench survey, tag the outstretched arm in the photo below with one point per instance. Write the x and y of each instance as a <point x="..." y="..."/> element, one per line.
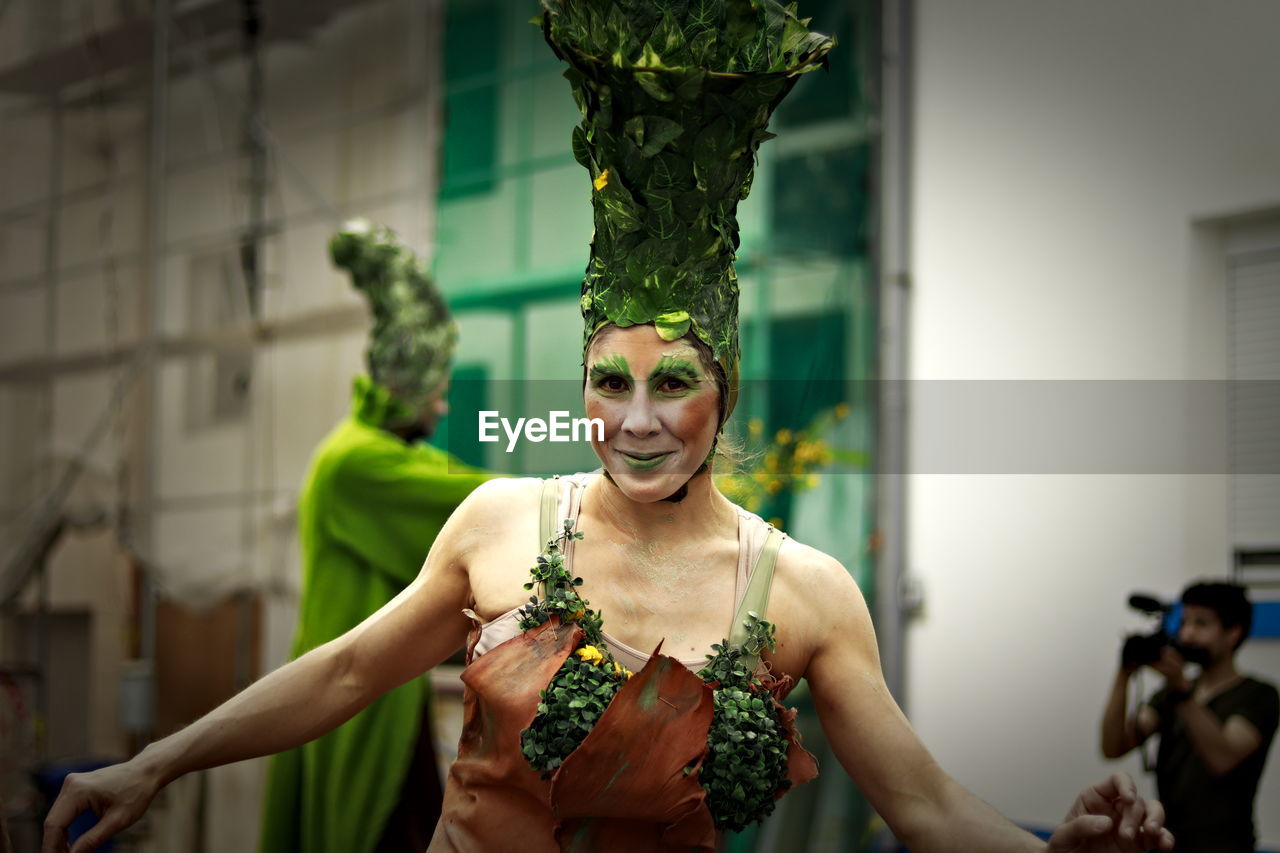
<point x="927" y="809"/>
<point x="292" y="705"/>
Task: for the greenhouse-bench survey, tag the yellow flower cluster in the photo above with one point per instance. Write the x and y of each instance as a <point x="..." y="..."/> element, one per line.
<point x="789" y="461"/>
<point x="812" y="453"/>
<point x="592" y="655"/>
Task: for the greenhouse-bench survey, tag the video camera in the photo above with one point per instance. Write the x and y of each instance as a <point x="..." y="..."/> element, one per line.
<point x="1142" y="649"/>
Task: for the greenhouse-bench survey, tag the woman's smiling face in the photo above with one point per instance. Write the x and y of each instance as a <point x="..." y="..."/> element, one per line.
<point x="660" y="406"/>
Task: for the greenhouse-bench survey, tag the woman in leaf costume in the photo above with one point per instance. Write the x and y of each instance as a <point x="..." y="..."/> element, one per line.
<point x="645" y="718"/>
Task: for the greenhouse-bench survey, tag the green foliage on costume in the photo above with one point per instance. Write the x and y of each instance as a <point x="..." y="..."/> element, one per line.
<point x="414" y="336"/>
<point x="568" y="710"/>
<point x="559" y="591"/>
<point x="586" y="682"/>
<point x="746" y="766"/>
<point x="676" y="97"/>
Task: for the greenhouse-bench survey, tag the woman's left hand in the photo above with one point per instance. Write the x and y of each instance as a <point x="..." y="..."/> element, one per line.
<point x="1110" y="817"/>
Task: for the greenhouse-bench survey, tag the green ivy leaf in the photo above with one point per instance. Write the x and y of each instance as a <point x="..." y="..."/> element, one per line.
<point x="672" y="326"/>
<point x="653" y="86"/>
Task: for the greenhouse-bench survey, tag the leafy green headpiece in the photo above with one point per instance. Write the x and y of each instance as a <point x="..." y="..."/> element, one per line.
<point x="675" y="97"/>
<point x="413" y="338"/>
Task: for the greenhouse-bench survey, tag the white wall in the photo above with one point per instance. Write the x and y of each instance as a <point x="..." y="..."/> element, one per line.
<point x="1064" y="156"/>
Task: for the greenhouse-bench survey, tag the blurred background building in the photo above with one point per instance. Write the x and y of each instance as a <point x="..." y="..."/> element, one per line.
<point x="981" y="213"/>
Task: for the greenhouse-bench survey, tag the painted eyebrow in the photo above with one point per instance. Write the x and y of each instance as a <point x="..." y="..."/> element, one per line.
<point x="671" y="365"/>
<point x="614" y="365"/>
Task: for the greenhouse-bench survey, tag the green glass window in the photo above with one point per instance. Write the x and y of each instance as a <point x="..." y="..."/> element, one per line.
<point x="472" y="51"/>
<point x="820" y="201"/>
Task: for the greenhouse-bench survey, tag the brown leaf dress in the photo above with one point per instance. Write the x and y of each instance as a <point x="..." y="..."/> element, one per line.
<point x="631" y="785"/>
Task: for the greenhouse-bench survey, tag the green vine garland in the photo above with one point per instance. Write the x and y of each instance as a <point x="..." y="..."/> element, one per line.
<point x="585" y="684"/>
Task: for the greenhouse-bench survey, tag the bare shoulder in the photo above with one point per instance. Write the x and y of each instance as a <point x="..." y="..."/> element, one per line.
<point x="816" y="580"/>
<point x="814" y="600"/>
<point x="490" y="510"/>
<point x="499" y="498"/>
<point x="503" y="490"/>
<point x="497" y="534"/>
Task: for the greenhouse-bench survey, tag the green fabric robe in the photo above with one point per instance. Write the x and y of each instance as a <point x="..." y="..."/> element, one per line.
<point x="368" y="513"/>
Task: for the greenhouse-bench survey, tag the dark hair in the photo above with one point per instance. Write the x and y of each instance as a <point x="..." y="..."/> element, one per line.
<point x="1228" y="600"/>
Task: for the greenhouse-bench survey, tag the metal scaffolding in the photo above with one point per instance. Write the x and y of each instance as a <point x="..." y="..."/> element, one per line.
<point x="136" y="61"/>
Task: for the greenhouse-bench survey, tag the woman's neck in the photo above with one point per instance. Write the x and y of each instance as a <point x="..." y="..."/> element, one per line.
<point x="702" y="510"/>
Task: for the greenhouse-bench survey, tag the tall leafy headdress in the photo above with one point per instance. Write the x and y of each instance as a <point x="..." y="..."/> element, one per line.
<point x="413" y="338"/>
<point x="675" y="97"/>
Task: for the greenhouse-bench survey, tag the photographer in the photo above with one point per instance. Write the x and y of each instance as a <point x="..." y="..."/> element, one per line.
<point x="1214" y="730"/>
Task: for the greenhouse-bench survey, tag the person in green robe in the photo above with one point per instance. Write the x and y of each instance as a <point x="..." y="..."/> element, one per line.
<point x="374" y="499"/>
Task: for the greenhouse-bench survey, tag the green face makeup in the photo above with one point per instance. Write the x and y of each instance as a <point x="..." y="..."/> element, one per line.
<point x="646" y="462"/>
<point x="612" y="367"/>
<point x="675" y="377"/>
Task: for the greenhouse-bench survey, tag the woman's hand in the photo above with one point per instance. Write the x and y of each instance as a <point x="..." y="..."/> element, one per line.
<point x="118" y="795"/>
<point x="1110" y="817"/>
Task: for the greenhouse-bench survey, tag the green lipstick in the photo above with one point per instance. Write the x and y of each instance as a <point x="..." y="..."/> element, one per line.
<point x="644" y="461"/>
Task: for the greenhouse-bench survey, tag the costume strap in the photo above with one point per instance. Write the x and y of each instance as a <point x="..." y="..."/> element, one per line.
<point x="756" y="598"/>
<point x="547" y="516"/>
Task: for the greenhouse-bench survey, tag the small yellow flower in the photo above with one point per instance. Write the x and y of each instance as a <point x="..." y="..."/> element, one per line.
<point x="602" y="181"/>
<point x="755" y="427"/>
<point x="590" y="654"/>
<point x="579" y="613"/>
<point x="812" y="480"/>
<point x="784" y="436"/>
<point x="842" y="410"/>
<point x="774" y="487"/>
